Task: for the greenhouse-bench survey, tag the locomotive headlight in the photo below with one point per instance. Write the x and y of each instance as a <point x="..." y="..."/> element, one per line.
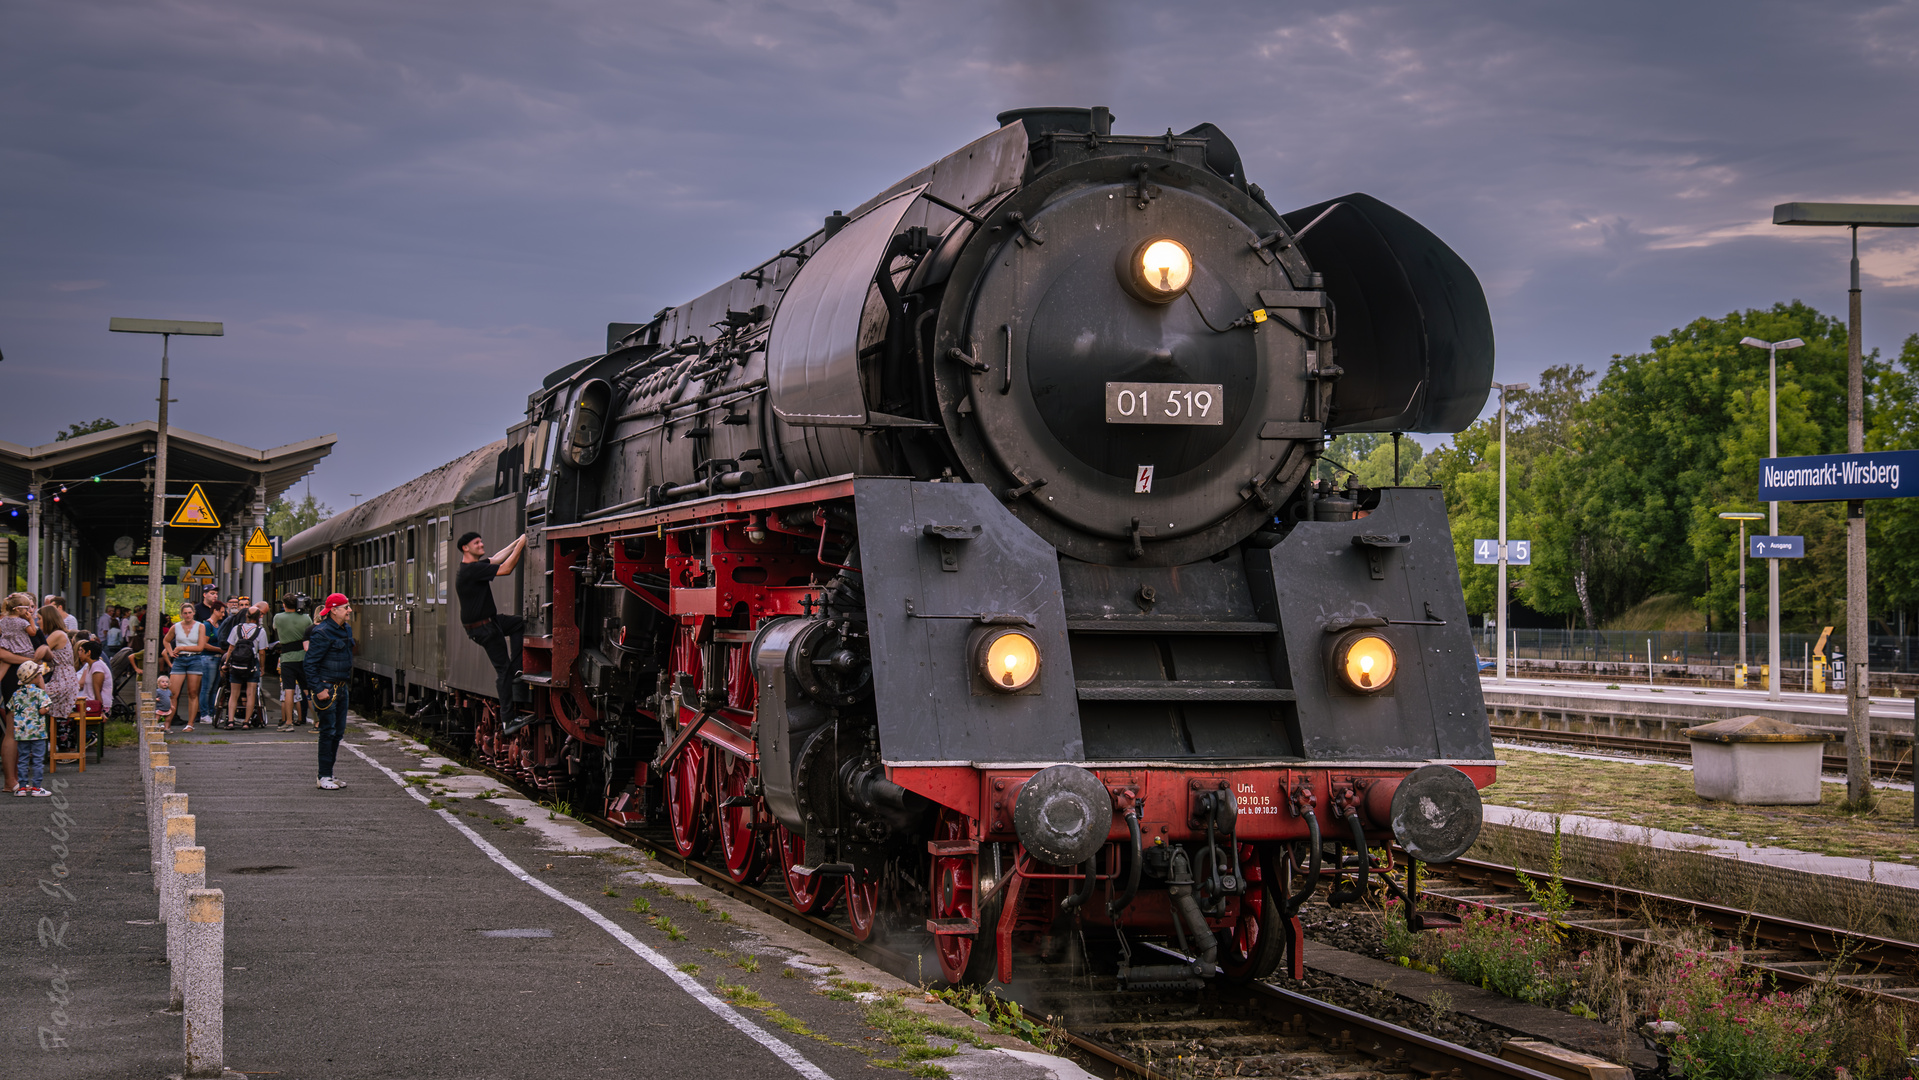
<point x="1008" y="659"/>
<point x="1160" y="270"/>
<point x="1365" y="662"/>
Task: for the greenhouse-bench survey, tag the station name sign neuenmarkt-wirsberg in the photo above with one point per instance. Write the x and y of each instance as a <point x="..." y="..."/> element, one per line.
<point x="1891" y="474"/>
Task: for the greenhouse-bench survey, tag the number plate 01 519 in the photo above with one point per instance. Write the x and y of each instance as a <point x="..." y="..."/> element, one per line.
<point x="1163" y="403"/>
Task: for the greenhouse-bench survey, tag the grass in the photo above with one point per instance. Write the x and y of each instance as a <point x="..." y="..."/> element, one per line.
<point x="665" y="925"/>
<point x="909" y="1031"/>
<point x="609" y="891"/>
<point x="435" y="804"/>
<point x="1002" y="1016"/>
<point x="119" y="733"/>
<point x="690" y="968"/>
<point x="749" y="963"/>
<point x="1660" y="797"/>
<point x="642" y="906"/>
<point x="449" y="770"/>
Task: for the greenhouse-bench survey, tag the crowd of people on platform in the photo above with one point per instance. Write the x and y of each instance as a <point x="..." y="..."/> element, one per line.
<point x="51" y="671"/>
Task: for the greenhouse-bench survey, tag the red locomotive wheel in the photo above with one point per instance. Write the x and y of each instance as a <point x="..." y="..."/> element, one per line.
<point x="862" y="908"/>
<point x="686" y="800"/>
<point x="806" y="891"/>
<point x="741" y="844"/>
<point x="1253" y="948"/>
<point x="962" y="957"/>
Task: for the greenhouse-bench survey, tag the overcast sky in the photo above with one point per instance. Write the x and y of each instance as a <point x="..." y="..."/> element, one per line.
<point x="407" y="213"/>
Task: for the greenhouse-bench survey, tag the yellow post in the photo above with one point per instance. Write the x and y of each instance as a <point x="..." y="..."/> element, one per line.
<point x="1739" y="676"/>
<point x="1821" y="668"/>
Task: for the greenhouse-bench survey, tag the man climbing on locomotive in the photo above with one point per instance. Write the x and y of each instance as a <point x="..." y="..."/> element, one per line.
<point x="500" y="635"/>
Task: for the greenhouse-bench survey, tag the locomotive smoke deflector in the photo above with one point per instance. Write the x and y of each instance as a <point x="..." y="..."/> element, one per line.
<point x="1414" y="337"/>
<point x="812" y="353"/>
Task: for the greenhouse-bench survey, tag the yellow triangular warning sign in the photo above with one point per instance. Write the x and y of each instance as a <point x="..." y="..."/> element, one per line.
<point x="203" y="570"/>
<point x="196" y="512"/>
<point x="259" y="538"/>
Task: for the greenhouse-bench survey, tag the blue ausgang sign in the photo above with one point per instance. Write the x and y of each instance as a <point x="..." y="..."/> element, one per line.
<point x="1891" y="474"/>
<point x="1778" y="547"/>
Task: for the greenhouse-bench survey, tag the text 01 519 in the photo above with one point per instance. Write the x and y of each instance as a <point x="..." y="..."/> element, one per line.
<point x="1163" y="403"/>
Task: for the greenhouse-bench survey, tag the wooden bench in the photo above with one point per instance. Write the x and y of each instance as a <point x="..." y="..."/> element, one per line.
<point x="78" y="754"/>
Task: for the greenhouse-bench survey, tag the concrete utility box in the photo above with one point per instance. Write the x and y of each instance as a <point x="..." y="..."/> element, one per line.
<point x="1756" y="761"/>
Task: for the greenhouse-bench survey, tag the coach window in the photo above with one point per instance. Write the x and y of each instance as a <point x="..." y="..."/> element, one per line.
<point x="411" y="579"/>
<point x="440" y="556"/>
<point x="429" y="585"/>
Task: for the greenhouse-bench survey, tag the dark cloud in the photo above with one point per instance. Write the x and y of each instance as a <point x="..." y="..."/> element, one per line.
<point x="406" y="214"/>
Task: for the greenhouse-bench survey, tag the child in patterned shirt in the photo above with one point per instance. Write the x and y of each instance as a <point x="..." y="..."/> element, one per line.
<point x="31" y="706"/>
<point x="16" y="632"/>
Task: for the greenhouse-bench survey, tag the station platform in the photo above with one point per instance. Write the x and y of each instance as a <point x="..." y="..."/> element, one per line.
<point x="408" y="926"/>
<point x="1664" y="712"/>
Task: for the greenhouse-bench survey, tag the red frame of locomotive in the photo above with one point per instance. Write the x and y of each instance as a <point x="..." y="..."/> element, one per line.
<point x="714" y="568"/>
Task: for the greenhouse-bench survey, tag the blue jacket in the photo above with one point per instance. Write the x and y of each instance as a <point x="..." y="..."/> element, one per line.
<point x="329" y="656"/>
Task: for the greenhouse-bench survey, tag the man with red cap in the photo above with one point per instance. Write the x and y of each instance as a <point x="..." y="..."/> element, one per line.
<point x="329" y="670"/>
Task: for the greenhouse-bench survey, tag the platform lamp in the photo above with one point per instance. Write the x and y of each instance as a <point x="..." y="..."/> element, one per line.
<point x="156" y="543"/>
<point x="1503" y="388"/>
<point x="1743" y="516"/>
<point x="1772" y="572"/>
<point x="1854" y="216"/>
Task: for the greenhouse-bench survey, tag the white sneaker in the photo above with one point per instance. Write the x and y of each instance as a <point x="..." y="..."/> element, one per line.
<point x="328" y="783"/>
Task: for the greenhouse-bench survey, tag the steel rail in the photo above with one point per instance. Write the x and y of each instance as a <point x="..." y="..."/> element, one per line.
<point x="1878" y="957"/>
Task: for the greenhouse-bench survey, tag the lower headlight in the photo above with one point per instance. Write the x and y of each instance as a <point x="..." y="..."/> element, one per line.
<point x="1007" y="659"/>
<point x="1365" y="662"/>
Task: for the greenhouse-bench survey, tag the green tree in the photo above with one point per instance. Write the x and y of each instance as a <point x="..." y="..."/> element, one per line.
<point x="1672" y="437"/>
<point x="85" y="427"/>
<point x="1892" y="525"/>
<point x="290" y="519"/>
<point x="1369" y="455"/>
<point x="1540" y="436"/>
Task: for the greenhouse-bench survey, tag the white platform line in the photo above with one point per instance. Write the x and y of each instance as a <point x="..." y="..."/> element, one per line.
<point x="780" y="1048"/>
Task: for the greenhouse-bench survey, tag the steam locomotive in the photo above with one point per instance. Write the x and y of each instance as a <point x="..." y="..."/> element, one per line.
<point x="962" y="564"/>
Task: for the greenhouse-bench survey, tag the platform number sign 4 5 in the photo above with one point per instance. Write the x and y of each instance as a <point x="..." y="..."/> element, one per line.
<point x="1518" y="552"/>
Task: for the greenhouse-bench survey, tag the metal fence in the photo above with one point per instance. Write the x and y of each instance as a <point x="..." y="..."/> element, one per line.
<point x="1689" y="648"/>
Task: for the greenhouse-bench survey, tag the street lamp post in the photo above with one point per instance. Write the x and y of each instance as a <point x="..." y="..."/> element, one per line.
<point x="1742" y="517"/>
<point x="1858" y="692"/>
<point x="1772" y="523"/>
<point x="156" y="537"/>
<point x="1503" y="388"/>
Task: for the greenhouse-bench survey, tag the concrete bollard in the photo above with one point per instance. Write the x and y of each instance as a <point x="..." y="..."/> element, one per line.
<point x="156" y="757"/>
<point x="189" y="874"/>
<point x="163" y="797"/>
<point x="203" y="1014"/>
<point x="179" y="834"/>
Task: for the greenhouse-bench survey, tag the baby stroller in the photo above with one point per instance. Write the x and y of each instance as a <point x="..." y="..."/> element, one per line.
<point x="126" y="687"/>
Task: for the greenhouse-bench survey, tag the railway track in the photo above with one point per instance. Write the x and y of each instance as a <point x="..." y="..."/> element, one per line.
<point x="1793" y="952"/>
<point x="1899" y="769"/>
<point x="1243" y="1030"/>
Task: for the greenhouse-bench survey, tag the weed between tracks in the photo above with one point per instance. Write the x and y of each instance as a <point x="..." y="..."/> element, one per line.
<point x="1730" y="1023"/>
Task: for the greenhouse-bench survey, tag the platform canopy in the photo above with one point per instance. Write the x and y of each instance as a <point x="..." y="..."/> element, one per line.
<point x="120" y="504"/>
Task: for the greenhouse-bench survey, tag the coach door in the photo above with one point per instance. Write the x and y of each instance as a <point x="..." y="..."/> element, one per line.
<point x="498" y="521"/>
